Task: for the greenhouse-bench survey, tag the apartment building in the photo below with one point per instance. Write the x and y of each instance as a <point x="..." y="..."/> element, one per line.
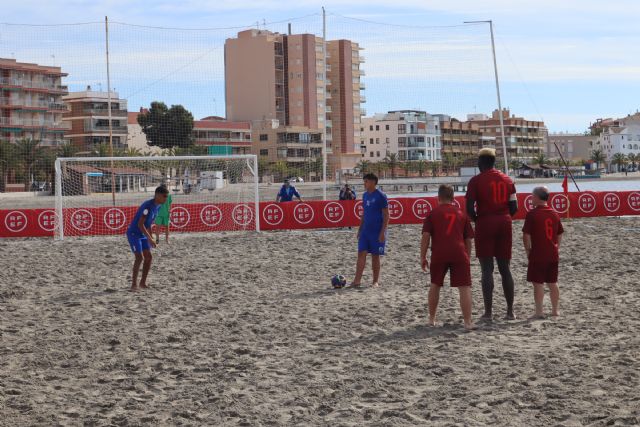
<point x="31" y="103"/>
<point x="87" y="116"/>
<point x="618" y="136"/>
<point x="273" y="78"/>
<point x="572" y="146"/>
<point x="222" y="137"/>
<point x="461" y="140"/>
<point x="524" y="138"/>
<point x="412" y="135"/>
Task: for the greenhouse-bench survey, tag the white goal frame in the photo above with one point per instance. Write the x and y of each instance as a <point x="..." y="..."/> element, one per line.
<point x="252" y="163"/>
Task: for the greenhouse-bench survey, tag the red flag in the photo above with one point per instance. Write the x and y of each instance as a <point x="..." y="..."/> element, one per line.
<point x="565" y="184"/>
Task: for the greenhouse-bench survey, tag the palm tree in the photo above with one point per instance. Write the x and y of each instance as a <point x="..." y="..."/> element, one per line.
<point x="8" y="161"/>
<point x="406" y="167"/>
<point x="540" y="159"/>
<point x="28" y="152"/>
<point x="391" y="162"/>
<point x="421" y="167"/>
<point x="67" y="150"/>
<point x="619" y="160"/>
<point x="598" y="157"/>
<point x="633" y="158"/>
<point x="364" y="166"/>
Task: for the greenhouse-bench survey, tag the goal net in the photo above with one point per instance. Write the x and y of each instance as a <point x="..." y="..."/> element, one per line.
<point x="100" y="195"/>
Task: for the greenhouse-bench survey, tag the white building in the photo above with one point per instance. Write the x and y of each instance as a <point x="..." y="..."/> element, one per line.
<point x="412" y="135"/>
<point x="620" y="136"/>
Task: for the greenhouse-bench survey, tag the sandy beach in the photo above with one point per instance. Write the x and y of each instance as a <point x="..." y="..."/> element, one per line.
<point x="243" y="330"/>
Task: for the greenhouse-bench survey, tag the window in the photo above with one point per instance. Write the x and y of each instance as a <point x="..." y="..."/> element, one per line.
<point x="377" y="140"/>
<point x="387" y="140"/>
<point x="371" y="154"/>
<point x="371" y="127"/>
<point x="264" y="137"/>
<point x="377" y="127"/>
<point x="386" y="127"/>
<point x="402" y="129"/>
<point x="264" y="152"/>
<point x="370" y="140"/>
<point x="377" y="154"/>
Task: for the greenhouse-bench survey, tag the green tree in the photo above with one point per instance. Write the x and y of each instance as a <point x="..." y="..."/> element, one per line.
<point x="364" y="166"/>
<point x="280" y="169"/>
<point x="598" y="157"/>
<point x="391" y="162"/>
<point x="8" y="161"/>
<point x="421" y="166"/>
<point x="167" y="127"/>
<point x="633" y="158"/>
<point x="540" y="159"/>
<point x="619" y="160"/>
<point x="29" y="153"/>
<point x="67" y="150"/>
<point x="407" y="167"/>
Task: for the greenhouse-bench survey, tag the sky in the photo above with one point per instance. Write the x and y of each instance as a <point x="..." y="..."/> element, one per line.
<point x="567" y="62"/>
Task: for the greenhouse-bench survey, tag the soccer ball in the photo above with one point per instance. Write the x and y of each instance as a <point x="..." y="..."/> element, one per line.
<point x="338" y="281"/>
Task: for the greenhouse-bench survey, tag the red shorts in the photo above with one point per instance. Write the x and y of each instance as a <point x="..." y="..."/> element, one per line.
<point x="542" y="272"/>
<point x="493" y="237"/>
<point x="459" y="273"/>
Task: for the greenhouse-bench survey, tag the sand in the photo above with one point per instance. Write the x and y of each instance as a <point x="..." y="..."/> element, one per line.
<point x="243" y="330"/>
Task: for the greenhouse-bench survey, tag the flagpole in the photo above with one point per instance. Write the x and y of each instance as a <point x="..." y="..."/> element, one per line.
<point x="566" y="167"/>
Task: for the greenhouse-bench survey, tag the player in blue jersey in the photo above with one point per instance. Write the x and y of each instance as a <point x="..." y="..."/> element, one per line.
<point x="372" y="234"/>
<point x="287" y="193"/>
<point x="139" y="236"/>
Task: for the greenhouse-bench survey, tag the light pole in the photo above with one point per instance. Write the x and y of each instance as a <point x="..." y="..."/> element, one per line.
<point x="495" y="70"/>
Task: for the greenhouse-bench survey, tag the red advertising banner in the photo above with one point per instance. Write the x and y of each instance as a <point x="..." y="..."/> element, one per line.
<point x="289" y="215"/>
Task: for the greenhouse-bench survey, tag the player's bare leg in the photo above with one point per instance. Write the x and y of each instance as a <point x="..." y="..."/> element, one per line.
<point x="507" y="286"/>
<point x="466" y="305"/>
<point x="538" y="297"/>
<point x="554" y="294"/>
<point x="486" y="264"/>
<point x="375" y="266"/>
<point x="146" y="265"/>
<point x="434" y="299"/>
<point x="362" y="262"/>
<point x="134" y="273"/>
<point x="157" y="233"/>
<point x="166" y="234"/>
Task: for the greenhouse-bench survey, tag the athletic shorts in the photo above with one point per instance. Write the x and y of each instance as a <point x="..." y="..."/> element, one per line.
<point x="369" y="242"/>
<point x="162" y="221"/>
<point x="493" y="237"/>
<point x="459" y="273"/>
<point x="138" y="244"/>
<point x="542" y="272"/>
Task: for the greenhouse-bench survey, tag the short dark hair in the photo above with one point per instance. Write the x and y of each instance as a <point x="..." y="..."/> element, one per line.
<point x="370" y="177"/>
<point x="486" y="162"/>
<point x="445" y="192"/>
<point x="162" y="189"/>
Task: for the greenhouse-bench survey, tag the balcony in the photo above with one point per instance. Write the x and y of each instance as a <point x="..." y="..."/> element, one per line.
<point x="115" y="112"/>
<point x="361" y="58"/>
<point x="328" y="95"/>
<point x="327" y="109"/>
<point x="362" y="86"/>
<point x="32" y="123"/>
<point x="95" y="127"/>
<point x="363" y="99"/>
<point x="363" y="112"/>
<point x="223" y="141"/>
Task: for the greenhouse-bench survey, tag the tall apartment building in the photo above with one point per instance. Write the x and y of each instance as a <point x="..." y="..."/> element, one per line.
<point x="273" y="78"/>
<point x="618" y="136"/>
<point x="461" y="140"/>
<point x="412" y="135"/>
<point x="88" y="116"/>
<point x="572" y="146"/>
<point x="524" y="138"/>
<point x="344" y="97"/>
<point x="31" y="102"/>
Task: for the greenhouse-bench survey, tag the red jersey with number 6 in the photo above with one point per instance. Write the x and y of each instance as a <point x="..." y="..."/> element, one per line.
<point x="544" y="226"/>
<point x="492" y="191"/>
<point x="449" y="227"/>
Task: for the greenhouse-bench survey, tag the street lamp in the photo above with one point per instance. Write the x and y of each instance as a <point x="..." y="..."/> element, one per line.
<point x="495" y="69"/>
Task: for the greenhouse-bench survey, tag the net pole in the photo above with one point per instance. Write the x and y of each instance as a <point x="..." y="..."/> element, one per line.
<point x="495" y="70"/>
<point x="256" y="183"/>
<point x="60" y="218"/>
<point x="324" y="131"/>
<point x="113" y="177"/>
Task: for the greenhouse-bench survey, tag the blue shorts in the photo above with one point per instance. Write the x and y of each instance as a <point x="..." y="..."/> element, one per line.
<point x="138" y="243"/>
<point x="369" y="242"/>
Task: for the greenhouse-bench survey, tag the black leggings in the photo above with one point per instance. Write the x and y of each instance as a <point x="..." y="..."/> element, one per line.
<point x="487" y="283"/>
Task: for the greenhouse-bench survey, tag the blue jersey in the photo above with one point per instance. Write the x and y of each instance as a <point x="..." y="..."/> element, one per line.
<point x="373" y="204"/>
<point x="286" y="194"/>
<point x="148" y="208"/>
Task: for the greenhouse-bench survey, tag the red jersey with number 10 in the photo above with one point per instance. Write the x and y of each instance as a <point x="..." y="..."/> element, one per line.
<point x="491" y="190"/>
<point x="544" y="226"/>
<point x="449" y="228"/>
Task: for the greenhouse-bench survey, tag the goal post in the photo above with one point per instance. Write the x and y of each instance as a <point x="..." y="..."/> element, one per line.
<point x="100" y="195"/>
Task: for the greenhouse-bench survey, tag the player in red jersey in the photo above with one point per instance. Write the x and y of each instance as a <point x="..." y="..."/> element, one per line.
<point x="450" y="231"/>
<point x="542" y="234"/>
<point x="491" y="202"/>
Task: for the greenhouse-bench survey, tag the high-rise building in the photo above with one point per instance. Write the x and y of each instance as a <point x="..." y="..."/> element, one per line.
<point x="524" y="138"/>
<point x="277" y="81"/>
<point x="88" y="117"/>
<point x="222" y="137"/>
<point x="461" y="140"/>
<point x="31" y="104"/>
<point x="411" y="135"/>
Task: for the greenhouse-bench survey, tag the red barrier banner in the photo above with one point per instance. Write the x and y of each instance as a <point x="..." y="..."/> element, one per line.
<point x="200" y="217"/>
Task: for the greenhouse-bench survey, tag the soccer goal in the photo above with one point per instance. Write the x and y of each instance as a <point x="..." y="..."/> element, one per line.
<point x="100" y="195"/>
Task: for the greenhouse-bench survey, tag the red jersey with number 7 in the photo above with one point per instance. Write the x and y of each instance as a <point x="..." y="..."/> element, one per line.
<point x="544" y="226"/>
<point x="449" y="227"/>
<point x="492" y="191"/>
